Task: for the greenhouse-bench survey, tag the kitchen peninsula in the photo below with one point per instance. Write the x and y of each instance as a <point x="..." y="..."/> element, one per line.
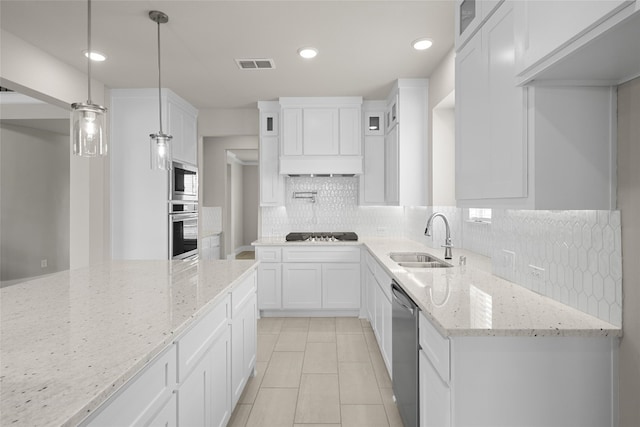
<point x="69" y="341"/>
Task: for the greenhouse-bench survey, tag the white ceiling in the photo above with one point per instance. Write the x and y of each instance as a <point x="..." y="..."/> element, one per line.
<point x="364" y="45"/>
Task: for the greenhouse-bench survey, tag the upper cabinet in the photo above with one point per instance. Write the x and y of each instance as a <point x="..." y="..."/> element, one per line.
<point x="528" y="147"/>
<point x="321" y="136"/>
<point x="271" y="182"/>
<point x="469" y="17"/>
<point x="183" y="126"/>
<point x="577" y="40"/>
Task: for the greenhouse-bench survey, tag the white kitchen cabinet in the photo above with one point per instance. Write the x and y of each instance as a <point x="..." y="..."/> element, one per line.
<point x="406" y="156"/>
<point x="139" y="210"/>
<point x="379" y="300"/>
<point x="243" y="336"/>
<point x="220" y="380"/>
<point x="469" y="17"/>
<point x="491" y="145"/>
<point x="341" y="286"/>
<point x="516" y="381"/>
<point x="146" y="397"/>
<point x="182" y="125"/>
<point x="321" y="135"/>
<point x="313" y="279"/>
<point x="373" y="150"/>
<point x="514" y="145"/>
<point x="301" y="286"/>
<point x="272" y="186"/>
<point x="195" y="394"/>
<point x="545" y="27"/>
<point x="210" y="247"/>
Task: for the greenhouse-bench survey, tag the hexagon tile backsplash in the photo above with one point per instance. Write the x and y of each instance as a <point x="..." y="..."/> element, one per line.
<point x="573" y="257"/>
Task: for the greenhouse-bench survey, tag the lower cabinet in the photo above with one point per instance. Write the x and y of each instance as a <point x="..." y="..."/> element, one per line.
<point x="314" y="277"/>
<point x="378" y="297"/>
<point x="199" y="378"/>
<point x="516" y="381"/>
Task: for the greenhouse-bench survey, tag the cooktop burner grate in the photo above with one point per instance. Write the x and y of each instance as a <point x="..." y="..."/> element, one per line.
<point x="329" y="236"/>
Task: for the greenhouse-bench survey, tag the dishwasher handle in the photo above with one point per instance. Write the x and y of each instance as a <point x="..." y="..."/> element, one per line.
<point x="402" y="299"/>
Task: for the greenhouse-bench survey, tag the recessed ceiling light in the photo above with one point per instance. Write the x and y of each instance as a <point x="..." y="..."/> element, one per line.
<point x="308" y="52"/>
<point x="94" y="56"/>
<point x="422" y="44"/>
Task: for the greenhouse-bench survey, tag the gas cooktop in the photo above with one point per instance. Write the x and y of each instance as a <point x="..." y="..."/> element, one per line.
<point x="329" y="236"/>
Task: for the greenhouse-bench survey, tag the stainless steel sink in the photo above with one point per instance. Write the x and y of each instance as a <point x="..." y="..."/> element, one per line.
<point x="417" y="260"/>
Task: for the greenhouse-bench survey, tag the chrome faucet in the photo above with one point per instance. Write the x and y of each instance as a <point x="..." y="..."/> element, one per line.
<point x="447" y="242"/>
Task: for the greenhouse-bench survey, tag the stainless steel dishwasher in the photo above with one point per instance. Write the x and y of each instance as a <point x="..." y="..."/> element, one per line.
<point x="404" y="326"/>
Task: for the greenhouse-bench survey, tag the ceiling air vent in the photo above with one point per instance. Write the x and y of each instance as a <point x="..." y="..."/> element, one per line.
<point x="255" y="64"/>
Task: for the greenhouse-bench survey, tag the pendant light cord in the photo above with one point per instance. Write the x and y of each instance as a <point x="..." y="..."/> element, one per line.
<point x="159" y="81"/>
<point x="89" y="52"/>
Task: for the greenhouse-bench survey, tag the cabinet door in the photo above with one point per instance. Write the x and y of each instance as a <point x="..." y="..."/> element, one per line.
<point x="269" y="286"/>
<point x="243" y="347"/>
<point x="374" y="170"/>
<point x="194" y="396"/>
<point x="301" y="285"/>
<point x="387" y="345"/>
<point x="292" y="132"/>
<point x="371" y="285"/>
<point x="320" y="131"/>
<point x="505" y="151"/>
<point x="176" y="129"/>
<point x="341" y="286"/>
<point x="190" y="138"/>
<point x="468" y="15"/>
<point x="471" y="89"/>
<point x="350" y="125"/>
<point x="220" y="381"/>
<point x="435" y="396"/>
<point x="271" y="182"/>
<point x="391" y="165"/>
<point x="168" y="415"/>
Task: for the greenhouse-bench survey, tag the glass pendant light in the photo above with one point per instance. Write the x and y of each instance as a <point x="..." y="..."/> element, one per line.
<point x="88" y="119"/>
<point x="160" y="142"/>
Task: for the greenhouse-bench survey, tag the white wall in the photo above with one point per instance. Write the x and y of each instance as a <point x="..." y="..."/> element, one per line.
<point x="441" y="84"/>
<point x="36" y="73"/>
<point x="629" y="206"/>
<point x="34" y="189"/>
<point x="443" y="164"/>
<point x="237" y="208"/>
<point x="251" y="197"/>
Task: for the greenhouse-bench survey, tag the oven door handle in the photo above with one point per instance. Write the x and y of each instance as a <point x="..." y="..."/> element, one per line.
<point x="182" y="216"/>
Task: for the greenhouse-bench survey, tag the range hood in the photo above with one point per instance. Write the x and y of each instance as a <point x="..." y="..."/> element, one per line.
<point x="321" y="165"/>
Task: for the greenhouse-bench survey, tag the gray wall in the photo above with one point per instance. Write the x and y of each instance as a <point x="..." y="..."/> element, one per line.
<point x="629" y="205"/>
<point x="34" y="189"/>
<point x="251" y="196"/>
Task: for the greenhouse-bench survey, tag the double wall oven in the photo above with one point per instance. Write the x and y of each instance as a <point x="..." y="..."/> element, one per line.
<point x="183" y="211"/>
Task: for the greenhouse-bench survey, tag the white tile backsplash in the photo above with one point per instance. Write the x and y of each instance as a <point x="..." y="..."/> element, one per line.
<point x="580" y="251"/>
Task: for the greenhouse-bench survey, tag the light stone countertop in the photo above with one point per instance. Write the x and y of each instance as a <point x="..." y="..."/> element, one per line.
<point x="470" y="301"/>
<point x="69" y="340"/>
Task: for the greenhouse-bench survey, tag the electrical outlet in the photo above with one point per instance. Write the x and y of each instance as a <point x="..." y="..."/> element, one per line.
<point x="43" y="263"/>
<point x="382" y="231"/>
<point x="537" y="273"/>
<point x="509" y="261"/>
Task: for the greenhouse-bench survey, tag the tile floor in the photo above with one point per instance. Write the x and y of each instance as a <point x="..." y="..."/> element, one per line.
<point x="314" y="372"/>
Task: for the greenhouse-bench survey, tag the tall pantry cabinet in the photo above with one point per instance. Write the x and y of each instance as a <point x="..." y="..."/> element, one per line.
<point x="139" y="195"/>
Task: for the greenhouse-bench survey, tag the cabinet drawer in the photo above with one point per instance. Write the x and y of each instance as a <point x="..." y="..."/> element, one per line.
<point x="143" y="398"/>
<point x="435" y="347"/>
<point x="242" y="293"/>
<point x="321" y="254"/>
<point x="196" y="341"/>
<point x="268" y="254"/>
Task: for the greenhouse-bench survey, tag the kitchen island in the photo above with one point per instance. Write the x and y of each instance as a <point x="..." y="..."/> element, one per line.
<point x="69" y="341"/>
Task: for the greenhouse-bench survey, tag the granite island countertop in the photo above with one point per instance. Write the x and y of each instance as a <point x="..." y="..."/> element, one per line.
<point x="469" y="300"/>
<point x="69" y="340"/>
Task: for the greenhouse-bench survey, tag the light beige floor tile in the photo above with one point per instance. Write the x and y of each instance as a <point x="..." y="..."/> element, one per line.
<point x="365" y="324"/>
<point x="358" y="384"/>
<point x="348" y="325"/>
<point x="270" y="325"/>
<point x="291" y="341"/>
<point x="372" y="342"/>
<point x="315" y="336"/>
<point x="253" y="385"/>
<point x="284" y="370"/>
<point x="320" y="358"/>
<point x="318" y="399"/>
<point x="274" y="407"/>
<point x="266" y="344"/>
<point x="322" y="324"/>
<point x="390" y="407"/>
<point x="298" y="324"/>
<point x="382" y="375"/>
<point x="352" y="348"/>
<point x="364" y="416"/>
<point x="240" y="416"/>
